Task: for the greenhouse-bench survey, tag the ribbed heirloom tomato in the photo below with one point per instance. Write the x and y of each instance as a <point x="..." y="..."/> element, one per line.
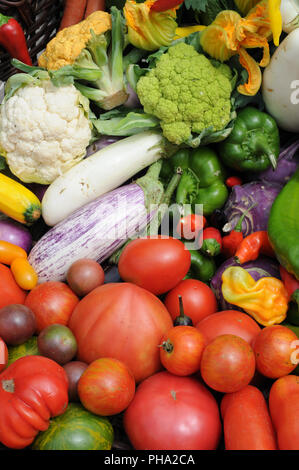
<point x="122" y="321"/>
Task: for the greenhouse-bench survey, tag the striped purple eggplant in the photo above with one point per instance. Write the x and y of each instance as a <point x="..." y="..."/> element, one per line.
<point x="95" y="230"/>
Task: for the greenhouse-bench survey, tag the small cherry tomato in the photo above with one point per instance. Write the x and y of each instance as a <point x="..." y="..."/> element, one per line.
<point x="181" y="350"/>
<point x="190" y="225"/>
<point x="233" y="181"/>
<point x="84" y="275"/>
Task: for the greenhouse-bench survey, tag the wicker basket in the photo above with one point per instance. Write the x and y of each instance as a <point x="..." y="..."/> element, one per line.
<point x="39" y="19"/>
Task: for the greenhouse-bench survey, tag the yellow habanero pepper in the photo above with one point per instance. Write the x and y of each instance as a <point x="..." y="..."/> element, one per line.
<point x="266" y="300"/>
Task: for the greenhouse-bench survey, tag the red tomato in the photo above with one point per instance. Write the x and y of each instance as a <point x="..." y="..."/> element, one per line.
<point x="190" y="226"/>
<point x="273" y="348"/>
<point x="284" y="411"/>
<point x="229" y="322"/>
<point x="181" y="350"/>
<point x="3" y="355"/>
<point x="246" y="421"/>
<point x="32" y="390"/>
<point x="156" y="264"/>
<point x="227" y="364"/>
<point x="169" y="412"/>
<point x="51" y="302"/>
<point x="198" y="299"/>
<point x="123" y="321"/>
<point x="106" y="387"/>
<point x="10" y="292"/>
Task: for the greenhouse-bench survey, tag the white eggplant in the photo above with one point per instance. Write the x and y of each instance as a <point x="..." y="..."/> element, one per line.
<point x="290" y="15"/>
<point x="103" y="171"/>
<point x="280" y="86"/>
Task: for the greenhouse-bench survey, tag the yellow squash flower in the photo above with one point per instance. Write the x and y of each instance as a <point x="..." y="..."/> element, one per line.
<point x="230" y="35"/>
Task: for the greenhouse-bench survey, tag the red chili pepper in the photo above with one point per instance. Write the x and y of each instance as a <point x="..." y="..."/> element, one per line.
<point x="233" y="181"/>
<point x="190" y="225"/>
<point x="231" y="242"/>
<point x="252" y="246"/>
<point x="163" y="5"/>
<point x="12" y="38"/>
<point x="212" y="241"/>
<point x="290" y="282"/>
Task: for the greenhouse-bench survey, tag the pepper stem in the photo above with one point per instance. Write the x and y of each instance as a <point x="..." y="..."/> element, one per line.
<point x="259" y="143"/>
<point x="4" y="19"/>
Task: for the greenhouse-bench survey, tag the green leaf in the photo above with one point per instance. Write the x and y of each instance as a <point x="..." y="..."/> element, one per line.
<point x="3" y="164"/>
<point x="197" y="5"/>
<point x="131" y="124"/>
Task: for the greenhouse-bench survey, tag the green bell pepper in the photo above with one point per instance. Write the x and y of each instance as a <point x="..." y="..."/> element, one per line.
<point x="253" y="145"/>
<point x="283" y="226"/>
<point x="202" y="267"/>
<point x="202" y="180"/>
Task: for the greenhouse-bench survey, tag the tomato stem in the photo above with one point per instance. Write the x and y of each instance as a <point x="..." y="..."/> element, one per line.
<point x="167" y="346"/>
<point x="8" y="385"/>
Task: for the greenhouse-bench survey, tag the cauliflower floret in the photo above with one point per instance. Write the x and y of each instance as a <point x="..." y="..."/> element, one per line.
<point x="65" y="47"/>
<point x="187" y="93"/>
<point x="44" y="131"/>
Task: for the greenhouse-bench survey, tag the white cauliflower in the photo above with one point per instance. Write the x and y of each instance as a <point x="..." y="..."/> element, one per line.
<point x="44" y="131"/>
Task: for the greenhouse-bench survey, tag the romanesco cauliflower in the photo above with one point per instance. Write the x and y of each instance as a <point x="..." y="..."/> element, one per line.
<point x="44" y="130"/>
<point x="187" y="93"/>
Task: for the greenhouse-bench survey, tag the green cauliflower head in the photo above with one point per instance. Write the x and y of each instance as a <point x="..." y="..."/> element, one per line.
<point x="187" y="93"/>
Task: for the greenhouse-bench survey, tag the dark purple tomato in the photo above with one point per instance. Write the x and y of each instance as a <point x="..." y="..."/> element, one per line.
<point x="57" y="342"/>
<point x="17" y="324"/>
<point x="74" y="370"/>
<point x="84" y="275"/>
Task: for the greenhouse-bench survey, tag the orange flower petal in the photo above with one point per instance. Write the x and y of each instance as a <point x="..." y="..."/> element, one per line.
<point x="219" y="38"/>
<point x="254" y="74"/>
<point x="252" y="41"/>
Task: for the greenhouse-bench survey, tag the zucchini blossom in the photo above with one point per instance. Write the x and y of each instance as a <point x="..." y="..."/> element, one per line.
<point x="148" y="29"/>
<point x="230" y="35"/>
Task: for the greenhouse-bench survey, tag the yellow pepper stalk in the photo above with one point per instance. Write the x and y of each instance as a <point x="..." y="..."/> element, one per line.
<point x="184" y="31"/>
<point x="275" y="19"/>
<point x="148" y="29"/>
<point x="266" y="300"/>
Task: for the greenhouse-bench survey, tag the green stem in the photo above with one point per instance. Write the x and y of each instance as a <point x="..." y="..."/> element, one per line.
<point x="152" y="229"/>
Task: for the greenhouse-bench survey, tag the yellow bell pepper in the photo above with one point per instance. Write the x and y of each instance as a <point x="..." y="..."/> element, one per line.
<point x="266" y="300"/>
